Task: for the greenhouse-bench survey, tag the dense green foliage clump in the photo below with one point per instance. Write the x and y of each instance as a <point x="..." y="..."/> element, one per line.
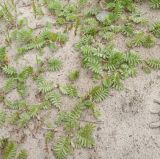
<point x="9" y="150"/>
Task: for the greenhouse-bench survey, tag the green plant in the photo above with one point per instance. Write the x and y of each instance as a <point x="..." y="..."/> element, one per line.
<point x="3" y="57"/>
<point x="113" y="81"/>
<point x="28" y="41"/>
<point x="10" y="151"/>
<point x="24" y="118"/>
<point x="62" y="148"/>
<point x="150" y="41"/>
<point x="7" y="14"/>
<point x="36" y="8"/>
<point x="13" y="118"/>
<point x="114" y="61"/>
<point x="2" y="118"/>
<point x="98" y="93"/>
<point x="23" y="36"/>
<point x="70" y="120"/>
<point x="141" y="39"/>
<point x="89" y="26"/>
<point x="107" y="35"/>
<point x="32" y="112"/>
<point x="73" y="75"/>
<point x="10" y="71"/>
<point x="91" y="62"/>
<point x="85" y="40"/>
<point x="69" y="90"/>
<point x="155" y="4"/>
<point x="137" y="18"/>
<point x="156" y="29"/>
<point x="9" y="85"/>
<point x="84" y="136"/>
<point x="98" y="24"/>
<point x="132" y="58"/>
<point x="43" y="85"/>
<point x="153" y="63"/>
<point x="128" y="30"/>
<point x="121" y="5"/>
<point x="82" y="2"/>
<point x="62" y="37"/>
<point x="54" y="65"/>
<point x="54" y="98"/>
<point x="65" y="13"/>
<point x="16" y="105"/>
<point x="16" y="80"/>
<point x="54" y="6"/>
<point x="23" y="154"/>
<point x="49" y="136"/>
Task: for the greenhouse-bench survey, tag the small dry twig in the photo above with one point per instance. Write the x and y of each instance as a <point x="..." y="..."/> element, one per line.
<point x="156" y="101"/>
<point x="94" y="122"/>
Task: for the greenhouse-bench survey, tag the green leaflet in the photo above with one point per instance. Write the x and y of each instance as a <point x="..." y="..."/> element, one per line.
<point x="98" y="93"/>
<point x="62" y="148"/>
<point x="2" y="118"/>
<point x="43" y="85"/>
<point x="54" y="98"/>
<point x="54" y="65"/>
<point x="15" y="105"/>
<point x="10" y="151"/>
<point x="73" y="75"/>
<point x="153" y="63"/>
<point x="22" y="155"/>
<point x="84" y="136"/>
<point x="49" y="136"/>
<point x="155" y="4"/>
<point x="156" y="29"/>
<point x="69" y="90"/>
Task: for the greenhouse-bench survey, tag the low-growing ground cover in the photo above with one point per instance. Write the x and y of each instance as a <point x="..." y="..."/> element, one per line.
<point x="76" y="77"/>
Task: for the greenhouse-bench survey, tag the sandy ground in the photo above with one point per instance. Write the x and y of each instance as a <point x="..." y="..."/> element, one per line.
<point x="124" y="131"/>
